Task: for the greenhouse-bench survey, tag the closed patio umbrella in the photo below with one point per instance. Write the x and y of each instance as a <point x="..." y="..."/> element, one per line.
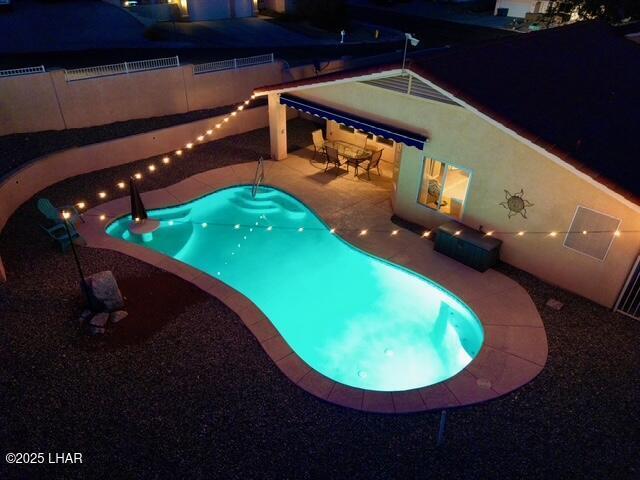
<point x="138" y="212"/>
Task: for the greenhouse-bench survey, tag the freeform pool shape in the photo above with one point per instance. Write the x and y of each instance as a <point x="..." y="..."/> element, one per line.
<point x="353" y="317"/>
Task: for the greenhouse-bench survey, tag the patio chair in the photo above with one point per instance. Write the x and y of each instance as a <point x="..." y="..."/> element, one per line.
<point x="55" y="214"/>
<point x="374" y="162"/>
<point x="333" y="158"/>
<point x="318" y="142"/>
<point x="361" y="139"/>
<point x="58" y="232"/>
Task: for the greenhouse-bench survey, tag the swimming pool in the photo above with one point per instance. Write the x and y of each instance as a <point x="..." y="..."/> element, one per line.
<point x="355" y="318"/>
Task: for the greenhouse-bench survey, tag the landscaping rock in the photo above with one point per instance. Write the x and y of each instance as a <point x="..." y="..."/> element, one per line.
<point x="115" y="317"/>
<point x="97" y="330"/>
<point x="555" y="304"/>
<point x="105" y="289"/>
<point x="85" y="316"/>
<point x="99" y="320"/>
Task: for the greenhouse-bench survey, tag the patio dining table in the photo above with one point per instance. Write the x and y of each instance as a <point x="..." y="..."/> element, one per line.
<point x="354" y="154"/>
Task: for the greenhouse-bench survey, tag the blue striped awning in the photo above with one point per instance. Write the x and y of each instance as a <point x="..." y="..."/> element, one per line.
<point x="370" y="126"/>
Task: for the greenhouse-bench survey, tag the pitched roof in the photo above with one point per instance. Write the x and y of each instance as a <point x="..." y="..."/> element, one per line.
<point x="571" y="90"/>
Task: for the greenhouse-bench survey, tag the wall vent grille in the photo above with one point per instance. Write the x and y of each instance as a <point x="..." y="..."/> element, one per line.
<point x="599" y="235"/>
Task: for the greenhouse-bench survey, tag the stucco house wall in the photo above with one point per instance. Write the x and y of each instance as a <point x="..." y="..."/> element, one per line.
<point x="498" y="161"/>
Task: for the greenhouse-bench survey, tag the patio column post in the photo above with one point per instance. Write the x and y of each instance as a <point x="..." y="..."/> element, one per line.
<point x="277" y="127"/>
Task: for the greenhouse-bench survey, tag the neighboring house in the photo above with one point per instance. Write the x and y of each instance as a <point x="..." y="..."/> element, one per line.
<point x="280" y="6"/>
<point x="519" y="8"/>
<point x="198" y="10"/>
<point x="550" y="117"/>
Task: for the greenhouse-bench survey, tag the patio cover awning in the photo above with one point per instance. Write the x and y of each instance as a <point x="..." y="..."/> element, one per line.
<point x="370" y="126"/>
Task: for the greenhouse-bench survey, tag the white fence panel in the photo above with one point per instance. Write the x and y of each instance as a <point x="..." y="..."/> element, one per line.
<point x="21" y="71"/>
<point x="232" y="64"/>
<point x="120" y="68"/>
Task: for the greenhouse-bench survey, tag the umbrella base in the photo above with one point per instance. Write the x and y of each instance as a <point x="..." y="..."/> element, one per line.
<point x="144" y="229"/>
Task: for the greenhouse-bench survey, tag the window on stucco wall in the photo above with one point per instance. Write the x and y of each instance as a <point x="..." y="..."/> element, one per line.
<point x="443" y="187"/>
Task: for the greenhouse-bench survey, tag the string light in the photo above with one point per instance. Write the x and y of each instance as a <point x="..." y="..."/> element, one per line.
<point x="66" y="215"/>
<point x="165" y="160"/>
<point x="137" y="219"/>
<point x="427" y="233"/>
<point x="103" y="217"/>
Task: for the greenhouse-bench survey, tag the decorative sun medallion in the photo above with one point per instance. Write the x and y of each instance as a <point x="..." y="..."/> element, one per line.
<point x="516" y="203"/>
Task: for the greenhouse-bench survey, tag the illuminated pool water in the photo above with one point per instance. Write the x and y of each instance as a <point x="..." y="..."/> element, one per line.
<point x="353" y="317"/>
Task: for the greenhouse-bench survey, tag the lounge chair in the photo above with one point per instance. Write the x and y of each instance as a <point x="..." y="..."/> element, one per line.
<point x="318" y="142"/>
<point x="332" y="158"/>
<point x="59" y="233"/>
<point x="55" y="213"/>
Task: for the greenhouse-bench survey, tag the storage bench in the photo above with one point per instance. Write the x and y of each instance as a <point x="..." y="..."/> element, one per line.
<point x="471" y="247"/>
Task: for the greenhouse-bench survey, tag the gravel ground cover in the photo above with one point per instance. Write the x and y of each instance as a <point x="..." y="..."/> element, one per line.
<point x="19" y="148"/>
<point x="181" y="389"/>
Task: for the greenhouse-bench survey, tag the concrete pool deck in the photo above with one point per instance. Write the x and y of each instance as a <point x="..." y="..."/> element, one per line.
<point x="515" y="347"/>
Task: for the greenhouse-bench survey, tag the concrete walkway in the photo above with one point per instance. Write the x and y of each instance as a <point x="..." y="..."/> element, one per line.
<point x="515" y="347"/>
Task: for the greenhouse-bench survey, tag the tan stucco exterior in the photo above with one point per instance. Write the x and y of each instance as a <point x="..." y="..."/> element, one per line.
<point x="499" y="161"/>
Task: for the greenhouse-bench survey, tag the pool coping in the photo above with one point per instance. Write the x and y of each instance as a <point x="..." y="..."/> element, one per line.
<point x="513" y="353"/>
